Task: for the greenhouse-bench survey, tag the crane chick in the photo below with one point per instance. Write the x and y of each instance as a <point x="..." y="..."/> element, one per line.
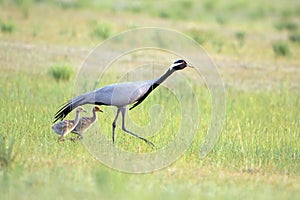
<point x="85" y="123"/>
<point x="64" y="127"/>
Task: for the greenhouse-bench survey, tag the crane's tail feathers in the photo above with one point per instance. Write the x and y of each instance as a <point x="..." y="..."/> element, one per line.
<point x="67" y="108"/>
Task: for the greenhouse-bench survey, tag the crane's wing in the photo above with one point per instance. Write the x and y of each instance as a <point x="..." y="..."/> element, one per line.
<point x="87" y="98"/>
<point x="119" y="95"/>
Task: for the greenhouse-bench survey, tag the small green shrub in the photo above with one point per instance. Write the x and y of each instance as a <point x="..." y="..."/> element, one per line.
<point x="218" y="44"/>
<point x="209" y="5"/>
<point x="164" y="14"/>
<point x="6" y="153"/>
<point x="295" y="37"/>
<point x="101" y="30"/>
<point x="221" y="19"/>
<point x="186" y="4"/>
<point x="240" y="36"/>
<point x="176" y="12"/>
<point x="198" y="35"/>
<point x="7" y="27"/>
<point x="135" y="7"/>
<point x="61" y="72"/>
<point x="281" y="48"/>
<point x="24" y="6"/>
<point x="77" y="4"/>
<point x="286" y="25"/>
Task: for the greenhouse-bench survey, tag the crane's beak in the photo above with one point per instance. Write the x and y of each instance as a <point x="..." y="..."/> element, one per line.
<point x="189" y="65"/>
<point x="100" y="110"/>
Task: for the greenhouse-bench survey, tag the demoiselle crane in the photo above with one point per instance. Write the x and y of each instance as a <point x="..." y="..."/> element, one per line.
<point x="64" y="127"/>
<point x="85" y="122"/>
<point x="120" y="95"/>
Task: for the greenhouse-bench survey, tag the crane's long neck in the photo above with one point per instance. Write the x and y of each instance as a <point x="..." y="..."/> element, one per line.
<point x="94" y="117"/>
<point x="161" y="79"/>
<point x="76" y="120"/>
<point x="156" y="82"/>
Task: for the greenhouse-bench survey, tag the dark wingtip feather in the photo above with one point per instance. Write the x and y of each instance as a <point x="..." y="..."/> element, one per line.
<point x="60" y="114"/>
<point x="67" y="108"/>
<point x="152" y="87"/>
<point x="134" y="105"/>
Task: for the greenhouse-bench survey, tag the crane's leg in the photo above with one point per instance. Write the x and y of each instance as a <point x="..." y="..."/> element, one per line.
<point x="61" y="139"/>
<point x="114" y="124"/>
<point x="123" y="111"/>
<point x="80" y="137"/>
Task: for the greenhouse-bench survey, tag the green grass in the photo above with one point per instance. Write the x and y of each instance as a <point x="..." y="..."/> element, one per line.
<point x="6" y="156"/>
<point x="257" y="150"/>
<point x="256" y="157"/>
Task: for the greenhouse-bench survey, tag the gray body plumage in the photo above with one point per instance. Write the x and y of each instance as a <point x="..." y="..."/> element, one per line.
<point x="119" y="95"/>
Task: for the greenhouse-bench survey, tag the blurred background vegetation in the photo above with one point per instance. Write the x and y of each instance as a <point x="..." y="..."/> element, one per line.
<point x="221" y="26"/>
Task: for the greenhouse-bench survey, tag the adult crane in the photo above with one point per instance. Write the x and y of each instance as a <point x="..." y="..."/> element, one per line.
<point x="120" y="95"/>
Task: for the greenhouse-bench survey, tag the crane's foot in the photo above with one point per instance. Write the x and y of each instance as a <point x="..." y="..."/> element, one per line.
<point x="75" y="139"/>
<point x="61" y="139"/>
<point x="148" y="142"/>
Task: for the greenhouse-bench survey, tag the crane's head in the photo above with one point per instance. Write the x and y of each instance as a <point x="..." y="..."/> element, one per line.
<point x="180" y="64"/>
<point x="80" y="109"/>
<point x="97" y="109"/>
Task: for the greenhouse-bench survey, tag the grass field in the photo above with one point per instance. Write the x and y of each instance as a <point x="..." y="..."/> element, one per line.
<point x="258" y="153"/>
